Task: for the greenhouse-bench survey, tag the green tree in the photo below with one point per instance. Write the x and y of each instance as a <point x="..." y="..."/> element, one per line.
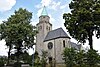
<point x="83" y="20"/>
<point x="26" y="58"/>
<point x="80" y="58"/>
<point x="18" y="32"/>
<point x="3" y="60"/>
<point x="44" y="58"/>
<point x="69" y="56"/>
<point x="93" y="58"/>
<point x="37" y="61"/>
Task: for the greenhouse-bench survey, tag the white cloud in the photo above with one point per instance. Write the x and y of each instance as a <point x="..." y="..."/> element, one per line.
<point x="34" y="22"/>
<point x="96" y="43"/>
<point x="46" y="2"/>
<point x="39" y="12"/>
<point x="1" y="20"/>
<point x="6" y="4"/>
<point x="51" y="18"/>
<point x="3" y="48"/>
<point x="55" y="5"/>
<point x="51" y="4"/>
<point x="38" y="6"/>
<point x="64" y="6"/>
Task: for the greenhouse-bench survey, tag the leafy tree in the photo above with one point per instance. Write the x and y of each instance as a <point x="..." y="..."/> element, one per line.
<point x="18" y="32"/>
<point x="69" y="56"/>
<point x="37" y="61"/>
<point x="83" y="20"/>
<point x="44" y="58"/>
<point x="93" y="58"/>
<point x="3" y="60"/>
<point x="26" y="58"/>
<point x="80" y="58"/>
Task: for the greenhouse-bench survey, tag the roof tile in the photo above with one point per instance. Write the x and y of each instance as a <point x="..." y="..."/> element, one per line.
<point x="57" y="33"/>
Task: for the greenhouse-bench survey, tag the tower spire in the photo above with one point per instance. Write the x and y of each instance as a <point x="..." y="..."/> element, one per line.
<point x="44" y="12"/>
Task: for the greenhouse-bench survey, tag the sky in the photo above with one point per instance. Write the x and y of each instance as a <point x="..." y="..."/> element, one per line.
<point x="55" y="9"/>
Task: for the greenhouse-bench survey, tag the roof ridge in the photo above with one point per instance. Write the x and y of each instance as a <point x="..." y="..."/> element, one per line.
<point x="55" y="29"/>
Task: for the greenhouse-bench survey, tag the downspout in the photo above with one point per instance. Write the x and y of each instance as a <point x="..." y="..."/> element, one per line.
<point x="54" y="54"/>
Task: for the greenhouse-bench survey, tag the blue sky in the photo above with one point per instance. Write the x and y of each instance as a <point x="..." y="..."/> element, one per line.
<point x="55" y="9"/>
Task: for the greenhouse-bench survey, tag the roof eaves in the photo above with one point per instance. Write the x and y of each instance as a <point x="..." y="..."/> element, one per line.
<point x="54" y="38"/>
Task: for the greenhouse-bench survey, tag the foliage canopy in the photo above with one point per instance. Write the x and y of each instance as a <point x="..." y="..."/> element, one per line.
<point x="18" y="32"/>
<point x="74" y="58"/>
<point x="83" y="20"/>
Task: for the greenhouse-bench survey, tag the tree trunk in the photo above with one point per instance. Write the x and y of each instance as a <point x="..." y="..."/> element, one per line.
<point x="9" y="55"/>
<point x="90" y="41"/>
<point x="18" y="53"/>
<point x="19" y="50"/>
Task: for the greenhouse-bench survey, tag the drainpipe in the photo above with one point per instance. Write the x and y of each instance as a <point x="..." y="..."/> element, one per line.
<point x="54" y="54"/>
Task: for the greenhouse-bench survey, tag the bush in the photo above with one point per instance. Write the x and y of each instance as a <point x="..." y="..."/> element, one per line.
<point x="1" y="62"/>
<point x="17" y="64"/>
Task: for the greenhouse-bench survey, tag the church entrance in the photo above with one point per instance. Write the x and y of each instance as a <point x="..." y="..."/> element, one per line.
<point x="50" y="61"/>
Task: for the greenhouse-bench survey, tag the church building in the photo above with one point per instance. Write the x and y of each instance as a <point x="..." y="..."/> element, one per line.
<point x="52" y="41"/>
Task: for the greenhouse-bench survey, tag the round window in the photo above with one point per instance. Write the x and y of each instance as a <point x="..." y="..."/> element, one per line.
<point x="50" y="45"/>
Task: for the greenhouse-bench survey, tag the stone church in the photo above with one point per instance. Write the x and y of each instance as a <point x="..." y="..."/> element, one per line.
<point x="52" y="41"/>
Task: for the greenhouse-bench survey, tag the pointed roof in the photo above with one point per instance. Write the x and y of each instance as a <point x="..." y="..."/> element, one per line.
<point x="57" y="33"/>
<point x="44" y="12"/>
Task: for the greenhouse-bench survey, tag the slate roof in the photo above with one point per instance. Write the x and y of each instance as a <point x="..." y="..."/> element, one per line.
<point x="57" y="33"/>
<point x="74" y="45"/>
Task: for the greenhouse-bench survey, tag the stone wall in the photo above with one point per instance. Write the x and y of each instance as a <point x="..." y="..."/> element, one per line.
<point x="57" y="50"/>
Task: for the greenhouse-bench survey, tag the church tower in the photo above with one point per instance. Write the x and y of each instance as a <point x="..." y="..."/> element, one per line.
<point x="52" y="41"/>
<point x="44" y="26"/>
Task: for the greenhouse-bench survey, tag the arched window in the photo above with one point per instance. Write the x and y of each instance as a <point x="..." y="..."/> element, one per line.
<point x="50" y="45"/>
<point x="49" y="28"/>
<point x="63" y="43"/>
<point x="40" y="27"/>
